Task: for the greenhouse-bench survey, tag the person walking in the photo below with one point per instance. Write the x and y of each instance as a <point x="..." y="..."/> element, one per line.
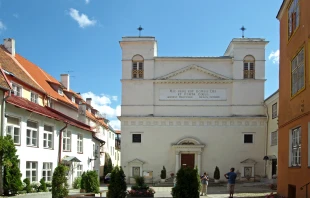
<point x="204" y="181"/>
<point x="231" y="176"/>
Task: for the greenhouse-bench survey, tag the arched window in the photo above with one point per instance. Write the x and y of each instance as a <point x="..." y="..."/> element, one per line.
<point x="249" y="67"/>
<point x="137" y="66"/>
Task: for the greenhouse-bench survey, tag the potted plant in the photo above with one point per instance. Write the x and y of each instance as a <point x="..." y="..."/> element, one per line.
<point x="172" y="174"/>
<point x="163" y="175"/>
<point x="216" y="175"/>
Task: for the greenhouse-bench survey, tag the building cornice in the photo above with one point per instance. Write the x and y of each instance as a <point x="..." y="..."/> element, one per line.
<point x="165" y="121"/>
<point x="282" y="8"/>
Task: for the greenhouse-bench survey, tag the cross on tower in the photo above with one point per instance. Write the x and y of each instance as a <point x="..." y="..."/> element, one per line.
<point x="242" y="29"/>
<point x="140" y="29"/>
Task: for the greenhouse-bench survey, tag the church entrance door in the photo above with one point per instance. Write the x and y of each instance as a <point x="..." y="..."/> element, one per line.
<point x="188" y="160"/>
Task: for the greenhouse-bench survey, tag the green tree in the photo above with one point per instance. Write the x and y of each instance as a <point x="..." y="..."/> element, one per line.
<point x="11" y="174"/>
<point x="108" y="167"/>
<point x="118" y="186"/>
<point x="91" y="182"/>
<point x="42" y="187"/>
<point x="28" y="186"/>
<point x="163" y="173"/>
<point x="216" y="173"/>
<point x="59" y="182"/>
<point x="188" y="184"/>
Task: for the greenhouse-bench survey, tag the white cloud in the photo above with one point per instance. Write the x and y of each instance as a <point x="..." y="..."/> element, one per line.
<point x="2" y="26"/>
<point x="274" y="56"/>
<point x="87" y="1"/>
<point x="82" y="19"/>
<point x="103" y="103"/>
<point x="114" y="98"/>
<point x="115" y="124"/>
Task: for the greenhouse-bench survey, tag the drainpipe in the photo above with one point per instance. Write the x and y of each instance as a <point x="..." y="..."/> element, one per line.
<point x="266" y="142"/>
<point x="60" y="143"/>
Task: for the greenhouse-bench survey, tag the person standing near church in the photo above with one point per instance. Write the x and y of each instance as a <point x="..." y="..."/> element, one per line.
<point x="204" y="182"/>
<point x="231" y="176"/>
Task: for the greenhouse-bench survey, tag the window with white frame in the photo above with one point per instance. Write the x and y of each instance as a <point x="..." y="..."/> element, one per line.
<point x="31" y="171"/>
<point x="248" y="138"/>
<point x="17" y="89"/>
<point x="109" y="134"/>
<point x="47" y="171"/>
<point x="13" y="129"/>
<point x="274" y="138"/>
<point x="249" y="67"/>
<point x="296" y="147"/>
<point x="79" y="170"/>
<point x="34" y="97"/>
<point x="274" y="110"/>
<point x="80" y="143"/>
<point x="60" y="91"/>
<point x="137" y="67"/>
<point x="66" y="140"/>
<point x="298" y="72"/>
<point x="32" y="133"/>
<point x="48" y="137"/>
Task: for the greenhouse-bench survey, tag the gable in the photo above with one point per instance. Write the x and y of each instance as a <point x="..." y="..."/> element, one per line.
<point x="193" y="72"/>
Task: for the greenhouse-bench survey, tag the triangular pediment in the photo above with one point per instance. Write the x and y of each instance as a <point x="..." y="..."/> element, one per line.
<point x="193" y="72"/>
<point x="138" y="161"/>
<point x="248" y="161"/>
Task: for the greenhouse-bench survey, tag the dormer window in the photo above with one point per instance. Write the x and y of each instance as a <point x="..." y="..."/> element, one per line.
<point x="60" y="91"/>
<point x="34" y="97"/>
<point x="17" y="89"/>
<point x="137" y="67"/>
<point x="73" y="99"/>
<point x="249" y="67"/>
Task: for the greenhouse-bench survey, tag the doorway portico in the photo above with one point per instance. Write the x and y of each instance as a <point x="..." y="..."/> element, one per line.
<point x="188" y="153"/>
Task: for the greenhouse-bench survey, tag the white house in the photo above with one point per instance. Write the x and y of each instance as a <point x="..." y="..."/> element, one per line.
<point x="193" y="111"/>
<point x="272" y="104"/>
<point x="50" y="123"/>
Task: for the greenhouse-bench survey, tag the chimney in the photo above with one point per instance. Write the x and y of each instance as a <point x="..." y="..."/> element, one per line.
<point x="88" y="101"/>
<point x="9" y="44"/>
<point x="65" y="80"/>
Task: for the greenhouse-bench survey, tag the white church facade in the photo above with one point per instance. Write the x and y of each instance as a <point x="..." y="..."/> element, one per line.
<point x="193" y="111"/>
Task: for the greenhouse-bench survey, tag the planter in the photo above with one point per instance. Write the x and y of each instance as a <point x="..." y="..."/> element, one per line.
<point x="162" y="180"/>
<point x="216" y="180"/>
<point x="82" y="190"/>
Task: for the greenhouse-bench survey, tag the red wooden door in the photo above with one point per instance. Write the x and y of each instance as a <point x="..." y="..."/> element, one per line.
<point x="188" y="160"/>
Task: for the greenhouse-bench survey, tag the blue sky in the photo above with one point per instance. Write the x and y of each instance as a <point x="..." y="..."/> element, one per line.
<point x="82" y="36"/>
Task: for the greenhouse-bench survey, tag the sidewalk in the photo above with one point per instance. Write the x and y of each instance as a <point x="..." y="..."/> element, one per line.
<point x="213" y="192"/>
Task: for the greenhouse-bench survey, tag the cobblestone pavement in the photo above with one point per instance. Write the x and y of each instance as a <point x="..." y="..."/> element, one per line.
<point x="213" y="192"/>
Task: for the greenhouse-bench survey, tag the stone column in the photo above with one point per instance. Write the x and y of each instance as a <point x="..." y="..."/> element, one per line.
<point x="199" y="162"/>
<point x="177" y="161"/>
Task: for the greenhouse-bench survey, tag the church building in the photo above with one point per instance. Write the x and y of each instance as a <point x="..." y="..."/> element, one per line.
<point x="193" y="111"/>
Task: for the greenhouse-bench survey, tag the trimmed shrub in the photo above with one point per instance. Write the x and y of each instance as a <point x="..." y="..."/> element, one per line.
<point x="216" y="173"/>
<point x="77" y="183"/>
<point x="42" y="187"/>
<point x="108" y="166"/>
<point x="11" y="174"/>
<point x="118" y="186"/>
<point x="188" y="184"/>
<point x="163" y="173"/>
<point x="35" y="186"/>
<point x="27" y="188"/>
<point x="83" y="180"/>
<point x="91" y="182"/>
<point x="59" y="182"/>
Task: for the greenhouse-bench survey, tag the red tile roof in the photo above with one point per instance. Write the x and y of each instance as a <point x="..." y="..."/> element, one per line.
<point x="9" y="64"/>
<point x="46" y="111"/>
<point x="4" y="82"/>
<point x="117" y="131"/>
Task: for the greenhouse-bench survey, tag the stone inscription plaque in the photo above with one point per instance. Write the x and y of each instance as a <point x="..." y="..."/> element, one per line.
<point x="192" y="94"/>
